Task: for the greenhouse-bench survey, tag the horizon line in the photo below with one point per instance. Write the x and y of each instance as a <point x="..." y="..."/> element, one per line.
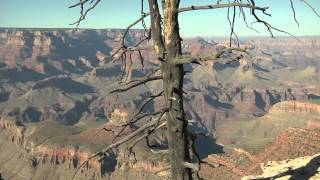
<point x="212" y="36"/>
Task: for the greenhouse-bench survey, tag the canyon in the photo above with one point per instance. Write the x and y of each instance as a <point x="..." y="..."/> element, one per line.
<point x="54" y="99"/>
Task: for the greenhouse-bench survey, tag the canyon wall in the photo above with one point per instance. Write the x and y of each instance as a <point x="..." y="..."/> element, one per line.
<point x="54" y="86"/>
<point x="295" y="106"/>
<point x="58" y="51"/>
<point x="58" y="162"/>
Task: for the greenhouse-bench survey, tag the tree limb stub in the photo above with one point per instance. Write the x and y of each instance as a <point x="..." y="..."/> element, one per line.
<point x="192" y="166"/>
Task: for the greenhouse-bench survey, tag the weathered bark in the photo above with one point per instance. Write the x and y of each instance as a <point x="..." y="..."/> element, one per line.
<point x="172" y="85"/>
<point x="156" y="29"/>
<point x="168" y="49"/>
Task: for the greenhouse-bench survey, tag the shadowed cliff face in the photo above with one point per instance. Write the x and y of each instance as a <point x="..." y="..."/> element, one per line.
<point x="61" y="76"/>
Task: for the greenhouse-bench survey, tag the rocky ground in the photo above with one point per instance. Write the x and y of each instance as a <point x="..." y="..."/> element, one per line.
<point x="54" y="100"/>
<point x="300" y="168"/>
<point x="284" y="140"/>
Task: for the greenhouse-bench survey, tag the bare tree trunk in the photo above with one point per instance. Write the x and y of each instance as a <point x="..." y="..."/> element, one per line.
<point x="172" y="85"/>
<point x="168" y="48"/>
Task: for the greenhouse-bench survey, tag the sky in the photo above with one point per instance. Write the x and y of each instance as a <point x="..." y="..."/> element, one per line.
<point x="120" y="13"/>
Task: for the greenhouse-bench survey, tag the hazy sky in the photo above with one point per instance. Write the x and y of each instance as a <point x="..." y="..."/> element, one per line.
<point x="119" y="13"/>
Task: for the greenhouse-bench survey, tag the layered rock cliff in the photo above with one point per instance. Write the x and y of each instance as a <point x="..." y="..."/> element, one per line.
<point x="295" y="106"/>
<point x="62" y="152"/>
<point x="15" y="132"/>
<point x="57" y="51"/>
<point x="17" y="143"/>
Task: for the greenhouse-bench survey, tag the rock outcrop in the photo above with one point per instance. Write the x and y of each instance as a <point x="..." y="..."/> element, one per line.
<point x="15" y="132"/>
<point x="295" y="106"/>
<point x="300" y="168"/>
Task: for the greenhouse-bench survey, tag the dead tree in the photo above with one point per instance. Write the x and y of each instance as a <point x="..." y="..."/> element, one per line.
<point x="166" y="41"/>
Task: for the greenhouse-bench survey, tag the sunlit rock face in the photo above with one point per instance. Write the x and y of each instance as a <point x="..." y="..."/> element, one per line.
<point x="295" y="106"/>
<point x="16" y="133"/>
<point x="300" y="168"/>
<point x="119" y="117"/>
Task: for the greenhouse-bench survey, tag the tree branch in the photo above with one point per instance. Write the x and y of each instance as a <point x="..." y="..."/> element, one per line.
<point x="266" y="24"/>
<point x="219" y="6"/>
<point x="120" y="142"/>
<point x="139" y="79"/>
<point x="198" y="60"/>
<point x="311" y="7"/>
<point x="143" y="81"/>
<point x="83" y="15"/>
<point x="136" y="119"/>
<point x="145" y="102"/>
<point x="82" y="2"/>
<point x="123" y="48"/>
<point x="294" y="13"/>
<point x="147" y="134"/>
<point x="244" y="17"/>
